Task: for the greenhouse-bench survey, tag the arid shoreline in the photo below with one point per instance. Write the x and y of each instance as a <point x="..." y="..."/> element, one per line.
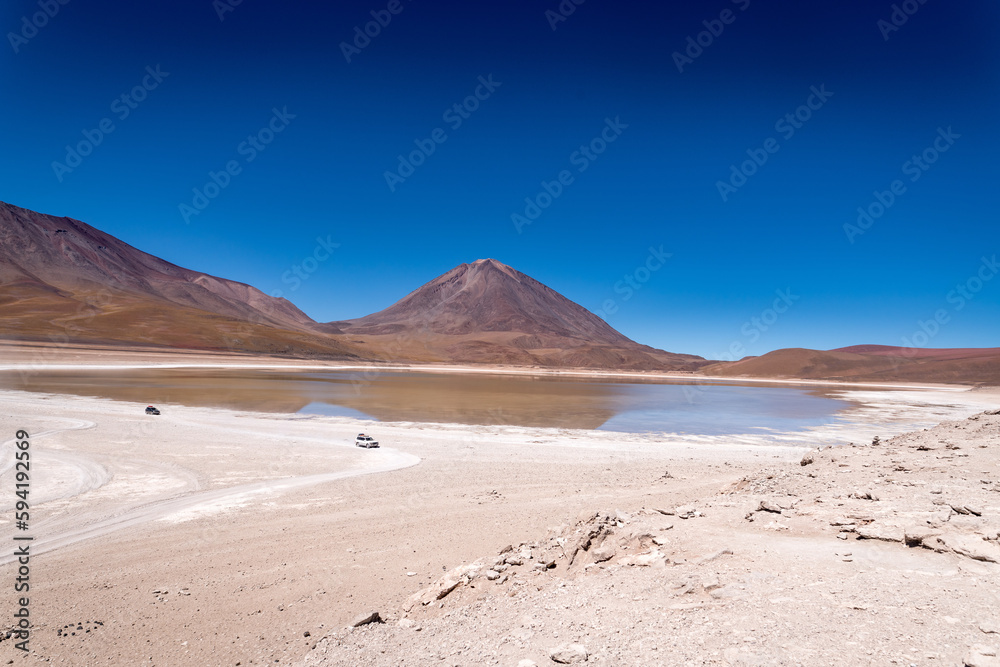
<point x="202" y="549"/>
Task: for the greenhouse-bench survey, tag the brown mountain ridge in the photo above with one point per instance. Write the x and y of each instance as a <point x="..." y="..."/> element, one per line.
<point x="63" y="280"/>
<point x="870" y="363"/>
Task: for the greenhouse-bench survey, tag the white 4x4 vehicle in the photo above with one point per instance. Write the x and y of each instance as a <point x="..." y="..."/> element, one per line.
<point x="366" y="441"/>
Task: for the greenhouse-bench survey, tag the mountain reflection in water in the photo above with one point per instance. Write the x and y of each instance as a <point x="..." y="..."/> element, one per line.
<point x="631" y="405"/>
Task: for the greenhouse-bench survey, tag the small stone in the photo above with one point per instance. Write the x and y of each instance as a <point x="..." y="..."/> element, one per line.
<point x="492" y="575"/>
<point x="603" y="553"/>
<point x="687" y="512"/>
<point x="807" y="460"/>
<point x="878" y="532"/>
<point x="568" y="654"/>
<point x="768" y="506"/>
<point x="446" y="586"/>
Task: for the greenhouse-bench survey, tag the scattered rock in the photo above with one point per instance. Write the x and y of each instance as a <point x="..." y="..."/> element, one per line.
<point x="885" y="533"/>
<point x="492" y="575"/>
<point x="972" y="547"/>
<point x="920" y="536"/>
<point x="603" y="553"/>
<point x="446" y="587"/>
<point x="710" y="584"/>
<point x="768" y="506"/>
<point x="687" y="512"/>
<point x="365" y="619"/>
<point x="568" y="654"/>
<point x="982" y="656"/>
<point x="807" y="460"/>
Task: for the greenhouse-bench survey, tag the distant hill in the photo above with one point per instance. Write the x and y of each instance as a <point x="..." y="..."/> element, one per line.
<point x="870" y="363"/>
<point x="487" y="312"/>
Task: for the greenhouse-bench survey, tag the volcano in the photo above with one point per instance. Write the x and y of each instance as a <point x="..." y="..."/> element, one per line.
<point x="488" y="312"/>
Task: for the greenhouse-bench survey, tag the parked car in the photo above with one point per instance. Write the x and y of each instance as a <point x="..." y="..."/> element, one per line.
<point x="150" y="410"/>
<point x="366" y="441"/>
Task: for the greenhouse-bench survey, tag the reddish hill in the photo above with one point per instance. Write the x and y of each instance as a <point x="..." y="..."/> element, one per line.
<point x="871" y="363"/>
<point x="487" y="312"/>
<point x="922" y="352"/>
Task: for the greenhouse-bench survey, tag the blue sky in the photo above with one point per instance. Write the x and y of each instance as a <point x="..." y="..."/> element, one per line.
<point x="552" y="99"/>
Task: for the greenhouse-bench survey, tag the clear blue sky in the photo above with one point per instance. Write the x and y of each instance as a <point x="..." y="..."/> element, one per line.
<point x="657" y="184"/>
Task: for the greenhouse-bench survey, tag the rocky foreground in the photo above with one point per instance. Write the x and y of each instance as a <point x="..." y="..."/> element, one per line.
<point x="886" y="553"/>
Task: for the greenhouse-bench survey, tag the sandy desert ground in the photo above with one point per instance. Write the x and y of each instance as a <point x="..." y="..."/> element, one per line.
<point x="210" y="537"/>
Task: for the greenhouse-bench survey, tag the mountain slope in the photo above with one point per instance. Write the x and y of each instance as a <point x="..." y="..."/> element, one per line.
<point x="62" y="279"/>
<point x="487" y="312"/>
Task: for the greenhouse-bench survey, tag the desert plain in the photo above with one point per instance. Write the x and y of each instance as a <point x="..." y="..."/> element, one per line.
<point x="218" y="537"/>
